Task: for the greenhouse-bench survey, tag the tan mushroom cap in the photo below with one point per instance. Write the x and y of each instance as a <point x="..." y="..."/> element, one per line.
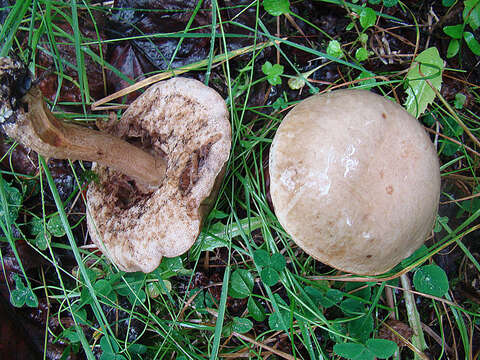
<point x="186" y="123"/>
<point x="355" y="180"/>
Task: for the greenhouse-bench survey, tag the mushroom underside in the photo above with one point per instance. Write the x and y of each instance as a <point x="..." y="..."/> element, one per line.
<point x="135" y="225"/>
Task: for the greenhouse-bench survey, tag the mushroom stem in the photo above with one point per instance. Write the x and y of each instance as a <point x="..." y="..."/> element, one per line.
<point x="37" y="128"/>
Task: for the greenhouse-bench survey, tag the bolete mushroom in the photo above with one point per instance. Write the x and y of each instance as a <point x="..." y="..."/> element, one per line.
<point x="355" y="180"/>
<point x="159" y="168"/>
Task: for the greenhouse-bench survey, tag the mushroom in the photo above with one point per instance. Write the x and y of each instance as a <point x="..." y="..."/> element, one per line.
<point x="159" y="168"/>
<point x="355" y="180"/>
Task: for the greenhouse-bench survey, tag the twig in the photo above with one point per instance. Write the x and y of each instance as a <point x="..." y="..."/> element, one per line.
<point x="263" y="346"/>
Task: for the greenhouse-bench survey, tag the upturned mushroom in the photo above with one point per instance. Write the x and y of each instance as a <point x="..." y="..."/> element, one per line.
<point x="355" y="180"/>
<point x="159" y="168"/>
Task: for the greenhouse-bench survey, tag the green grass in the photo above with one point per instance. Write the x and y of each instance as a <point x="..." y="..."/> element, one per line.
<point x="297" y="309"/>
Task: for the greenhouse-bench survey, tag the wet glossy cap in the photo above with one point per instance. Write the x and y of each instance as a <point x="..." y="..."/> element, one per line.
<point x="355" y="180"/>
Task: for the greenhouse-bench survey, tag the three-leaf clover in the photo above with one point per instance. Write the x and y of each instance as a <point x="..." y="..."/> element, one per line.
<point x="13" y="199"/>
<point x="22" y="295"/>
<point x="271" y="266"/>
<point x="373" y="348"/>
<point x="273" y="73"/>
<point x="241" y="287"/>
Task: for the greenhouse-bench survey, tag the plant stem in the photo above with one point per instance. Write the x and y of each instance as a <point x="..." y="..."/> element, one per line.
<point x="418" y="339"/>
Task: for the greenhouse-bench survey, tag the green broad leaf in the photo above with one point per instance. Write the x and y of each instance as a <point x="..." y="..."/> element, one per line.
<point x="169" y="266"/>
<point x="361" y="328"/>
<point x="281" y="103"/>
<point x="431" y="280"/>
<point x="42" y="239"/>
<point x="71" y="334"/>
<point x="108" y="349"/>
<point x="332" y="297"/>
<point x="273" y="73"/>
<point x="14" y="200"/>
<point x="261" y="258"/>
<point x="374" y="2"/>
<point x="334" y="48"/>
<point x="427" y="68"/>
<point x="103" y="287"/>
<point x="22" y="295"/>
<point x="459" y="101"/>
<point x="471" y="42"/>
<point x="278" y="262"/>
<point x="449" y="148"/>
<point x="217" y="214"/>
<point x="275" y="320"/>
<point x="36" y="225"/>
<point x="428" y="119"/>
<point x="269" y="276"/>
<point x="173" y="264"/>
<point x="216" y="235"/>
<point x="134" y="291"/>
<point x="315" y="294"/>
<point x="453" y="48"/>
<point x="390" y="3"/>
<point x="241" y="284"/>
<point x="326" y="299"/>
<point x="137" y="349"/>
<point x="361" y="54"/>
<point x="352" y="307"/>
<point x="55" y="226"/>
<point x="361" y="291"/>
<point x="471" y="13"/>
<point x="369" y="81"/>
<point x="368" y="17"/>
<point x="31" y="299"/>
<point x="448" y="3"/>
<point x="276" y="7"/>
<point x="256" y="310"/>
<point x="241" y="325"/>
<point x="451" y="127"/>
<point x="454" y="31"/>
<point x="381" y="348"/>
<point x="363" y="38"/>
<point x="353" y="351"/>
<point x="138" y="297"/>
<point x="80" y="314"/>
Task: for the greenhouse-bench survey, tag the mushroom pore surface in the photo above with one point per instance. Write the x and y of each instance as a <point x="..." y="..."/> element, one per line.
<point x="186" y="123"/>
<point x="355" y="180"/>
